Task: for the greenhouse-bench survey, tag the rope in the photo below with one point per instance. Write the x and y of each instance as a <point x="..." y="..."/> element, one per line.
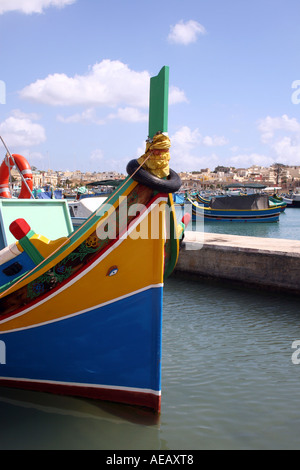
<point x="157" y="156"/>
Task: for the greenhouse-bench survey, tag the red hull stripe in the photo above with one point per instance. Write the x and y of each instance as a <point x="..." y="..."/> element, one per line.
<point x="130" y="397"/>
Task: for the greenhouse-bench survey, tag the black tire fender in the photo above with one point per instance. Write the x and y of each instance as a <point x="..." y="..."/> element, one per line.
<point x="169" y="185"/>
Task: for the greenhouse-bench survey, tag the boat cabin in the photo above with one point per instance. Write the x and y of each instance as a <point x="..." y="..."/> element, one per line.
<point x="49" y="218"/>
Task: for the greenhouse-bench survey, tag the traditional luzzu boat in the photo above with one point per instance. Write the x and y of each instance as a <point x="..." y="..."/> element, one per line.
<point x="248" y="208"/>
<point x="81" y="312"/>
<point x="202" y="200"/>
<point x="273" y="202"/>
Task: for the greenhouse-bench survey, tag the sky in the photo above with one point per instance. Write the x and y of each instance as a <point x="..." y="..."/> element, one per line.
<point x="74" y="81"/>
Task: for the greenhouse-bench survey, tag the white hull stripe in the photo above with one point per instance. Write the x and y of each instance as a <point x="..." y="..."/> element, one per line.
<point x="75" y="314"/>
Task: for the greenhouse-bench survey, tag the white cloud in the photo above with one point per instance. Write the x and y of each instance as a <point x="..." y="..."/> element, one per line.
<point x="186" y="151"/>
<point x="97" y="156"/>
<point x="99" y="162"/>
<point x="183" y="144"/>
<point x="247" y="160"/>
<point x="18" y="130"/>
<point x="176" y="95"/>
<point x="268" y="126"/>
<point x="87" y="116"/>
<point x="288" y="150"/>
<point x="214" y="141"/>
<point x="31" y="6"/>
<point x="109" y="83"/>
<point x="186" y="138"/>
<point x="17" y="113"/>
<point x="35" y="157"/>
<point x="185" y="32"/>
<point x="129" y="114"/>
<point x="282" y="135"/>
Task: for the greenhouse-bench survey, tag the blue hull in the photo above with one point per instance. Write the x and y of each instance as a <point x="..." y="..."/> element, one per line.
<point x="112" y="352"/>
<point x="267" y="215"/>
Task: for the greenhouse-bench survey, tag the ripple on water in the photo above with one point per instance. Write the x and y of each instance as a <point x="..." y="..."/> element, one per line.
<point x="227" y="367"/>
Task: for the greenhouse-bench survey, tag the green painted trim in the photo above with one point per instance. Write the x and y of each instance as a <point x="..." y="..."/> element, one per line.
<point x="159" y="101"/>
<point x="174" y="242"/>
<point x="30" y="249"/>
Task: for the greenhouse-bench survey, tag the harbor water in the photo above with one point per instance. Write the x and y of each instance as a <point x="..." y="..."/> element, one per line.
<point x="230" y="376"/>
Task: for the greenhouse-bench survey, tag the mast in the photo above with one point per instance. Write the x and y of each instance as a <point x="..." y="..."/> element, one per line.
<point x="158" y="102"/>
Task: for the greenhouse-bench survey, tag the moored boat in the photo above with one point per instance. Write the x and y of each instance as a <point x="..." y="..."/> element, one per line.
<point x="85" y="204"/>
<point x="202" y="200"/>
<point x="246" y="208"/>
<point x="82" y="209"/>
<point x="292" y="201"/>
<point x="276" y="202"/>
<point x="81" y="311"/>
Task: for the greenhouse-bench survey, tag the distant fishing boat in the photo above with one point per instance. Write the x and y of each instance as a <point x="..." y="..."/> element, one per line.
<point x="81" y="310"/>
<point x="292" y="201"/>
<point x="42" y="193"/>
<point x="202" y="200"/>
<point x="81" y="210"/>
<point x="248" y="208"/>
<point x="275" y="201"/>
<point x="85" y="204"/>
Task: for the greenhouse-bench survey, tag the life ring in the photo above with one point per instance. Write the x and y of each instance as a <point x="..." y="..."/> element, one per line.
<point x="169" y="185"/>
<point x="24" y="168"/>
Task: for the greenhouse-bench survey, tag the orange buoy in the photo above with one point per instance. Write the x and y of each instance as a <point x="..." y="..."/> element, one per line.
<point x="25" y="170"/>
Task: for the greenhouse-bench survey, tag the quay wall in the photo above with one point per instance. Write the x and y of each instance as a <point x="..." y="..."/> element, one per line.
<point x="258" y="262"/>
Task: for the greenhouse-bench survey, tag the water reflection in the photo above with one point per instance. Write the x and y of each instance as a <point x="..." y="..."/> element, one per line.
<point x="33" y="420"/>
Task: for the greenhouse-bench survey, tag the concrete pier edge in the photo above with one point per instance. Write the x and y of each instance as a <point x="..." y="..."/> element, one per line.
<point x="261" y="263"/>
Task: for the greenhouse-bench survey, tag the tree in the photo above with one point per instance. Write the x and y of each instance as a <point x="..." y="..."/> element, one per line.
<point x="278" y="169"/>
<point x="220" y="168"/>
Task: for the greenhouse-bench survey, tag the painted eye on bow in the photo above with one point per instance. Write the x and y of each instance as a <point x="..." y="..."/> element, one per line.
<point x="112" y="271"/>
